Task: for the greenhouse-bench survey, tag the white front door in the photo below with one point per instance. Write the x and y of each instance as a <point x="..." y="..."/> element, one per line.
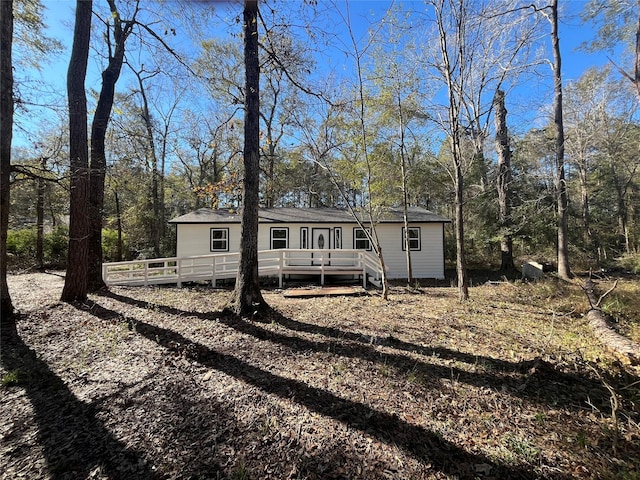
<point x="320" y="239"/>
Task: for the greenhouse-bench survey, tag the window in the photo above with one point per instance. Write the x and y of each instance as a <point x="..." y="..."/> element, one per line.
<point x="360" y="239"/>
<point x="279" y="238"/>
<point x="337" y="237"/>
<point x="414" y="239"/>
<point x="219" y="239"/>
<point x="304" y="237"/>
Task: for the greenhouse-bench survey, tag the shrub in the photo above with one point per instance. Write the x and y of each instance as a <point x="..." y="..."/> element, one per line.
<point x="22" y="242"/>
<point x="630" y="263"/>
<point x="21" y="245"/>
<point x="110" y="244"/>
<point x="56" y="245"/>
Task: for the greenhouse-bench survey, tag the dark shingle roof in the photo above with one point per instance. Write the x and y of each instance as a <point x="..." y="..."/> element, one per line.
<point x="306" y="215"/>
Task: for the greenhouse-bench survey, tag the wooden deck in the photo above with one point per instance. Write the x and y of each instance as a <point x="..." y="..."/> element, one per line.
<point x="281" y="263"/>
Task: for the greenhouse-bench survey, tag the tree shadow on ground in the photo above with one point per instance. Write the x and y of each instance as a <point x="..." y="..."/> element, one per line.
<point x="75" y="443"/>
<point x="426" y="446"/>
<point x="532" y="380"/>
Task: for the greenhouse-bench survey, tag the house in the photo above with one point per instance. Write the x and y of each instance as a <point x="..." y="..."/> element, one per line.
<point x="206" y="232"/>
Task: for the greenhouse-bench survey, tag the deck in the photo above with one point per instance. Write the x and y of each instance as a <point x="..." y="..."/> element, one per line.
<point x="271" y="263"/>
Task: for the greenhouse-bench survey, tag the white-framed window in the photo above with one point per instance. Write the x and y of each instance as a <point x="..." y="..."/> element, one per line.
<point x="414" y="239"/>
<point x="279" y="238"/>
<point x="219" y="239"/>
<point x="361" y="240"/>
<point x="304" y="237"/>
<point x="337" y="237"/>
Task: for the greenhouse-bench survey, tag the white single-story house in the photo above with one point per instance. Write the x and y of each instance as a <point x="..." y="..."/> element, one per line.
<point x="206" y="231"/>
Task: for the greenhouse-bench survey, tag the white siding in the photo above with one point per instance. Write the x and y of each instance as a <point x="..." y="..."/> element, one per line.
<point x="195" y="238"/>
<point x="428" y="262"/>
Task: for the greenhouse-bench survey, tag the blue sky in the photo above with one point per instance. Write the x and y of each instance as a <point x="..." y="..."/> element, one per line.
<point x="59" y="18"/>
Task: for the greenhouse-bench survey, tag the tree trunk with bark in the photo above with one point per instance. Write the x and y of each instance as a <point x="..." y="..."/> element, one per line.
<point x="76" y="280"/>
<point x="461" y="260"/>
<point x="454" y="91"/>
<point x="584" y="206"/>
<point x="636" y="79"/>
<point x="624" y="348"/>
<point x="504" y="185"/>
<point x="158" y="217"/>
<point x="7" y="323"/>
<point x="247" y="297"/>
<point x="118" y="226"/>
<point x="564" y="271"/>
<point x="41" y="185"/>
<point x="121" y="31"/>
<point x="405" y="192"/>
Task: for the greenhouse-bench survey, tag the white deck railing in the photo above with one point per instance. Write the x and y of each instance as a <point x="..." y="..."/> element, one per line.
<point x="271" y="263"/>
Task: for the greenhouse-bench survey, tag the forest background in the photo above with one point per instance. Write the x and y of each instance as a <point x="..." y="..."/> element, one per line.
<point x="334" y="73"/>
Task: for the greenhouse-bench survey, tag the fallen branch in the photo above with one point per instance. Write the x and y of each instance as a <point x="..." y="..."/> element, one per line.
<point x="624" y="348"/>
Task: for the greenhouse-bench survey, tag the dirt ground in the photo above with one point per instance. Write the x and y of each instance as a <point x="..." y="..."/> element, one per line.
<point x="162" y="383"/>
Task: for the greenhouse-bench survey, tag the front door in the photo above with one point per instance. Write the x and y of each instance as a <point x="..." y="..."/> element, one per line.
<point x="320" y="239"/>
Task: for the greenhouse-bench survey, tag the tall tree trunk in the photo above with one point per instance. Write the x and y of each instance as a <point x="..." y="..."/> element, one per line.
<point x="637" y="59"/>
<point x="76" y="280"/>
<point x="504" y="185"/>
<point x="155" y="176"/>
<point x="584" y="204"/>
<point x="622" y="214"/>
<point x="40" y="187"/>
<point x="98" y="159"/>
<point x="247" y="297"/>
<point x="119" y="226"/>
<point x="7" y="322"/>
<point x="405" y="199"/>
<point x="161" y="224"/>
<point x="561" y="184"/>
<point x="461" y="260"/>
<point x="455" y="138"/>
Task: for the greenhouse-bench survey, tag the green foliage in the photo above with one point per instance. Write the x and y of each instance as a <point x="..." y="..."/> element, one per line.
<point x="56" y="244"/>
<point x="22" y="242"/>
<point x="630" y="263"/>
<point x="110" y="244"/>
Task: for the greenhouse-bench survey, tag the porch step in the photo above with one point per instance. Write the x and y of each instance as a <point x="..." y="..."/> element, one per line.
<point x="322" y="292"/>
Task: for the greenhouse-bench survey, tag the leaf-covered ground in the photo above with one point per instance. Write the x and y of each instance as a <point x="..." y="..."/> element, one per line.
<point x="156" y="383"/>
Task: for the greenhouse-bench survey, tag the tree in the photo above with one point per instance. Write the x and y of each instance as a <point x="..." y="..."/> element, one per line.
<point x="588" y="109"/>
<point x="76" y="279"/>
<point x="398" y="115"/>
<point x="7" y="325"/>
<point x="482" y="47"/>
<point x="155" y="156"/>
<point x="247" y="297"/>
<point x="362" y="148"/>
<point x="618" y="22"/>
<point x="504" y="185"/>
<point x="453" y="66"/>
<point x="561" y="185"/>
<point x="118" y="32"/>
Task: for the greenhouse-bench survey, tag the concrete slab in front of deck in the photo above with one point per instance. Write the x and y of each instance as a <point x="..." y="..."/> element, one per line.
<point x="322" y="291"/>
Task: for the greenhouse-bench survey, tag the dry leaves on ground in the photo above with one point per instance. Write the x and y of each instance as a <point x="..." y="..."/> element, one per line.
<point x="164" y="383"/>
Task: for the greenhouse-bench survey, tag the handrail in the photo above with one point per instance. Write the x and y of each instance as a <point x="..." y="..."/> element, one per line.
<point x="213" y="267"/>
